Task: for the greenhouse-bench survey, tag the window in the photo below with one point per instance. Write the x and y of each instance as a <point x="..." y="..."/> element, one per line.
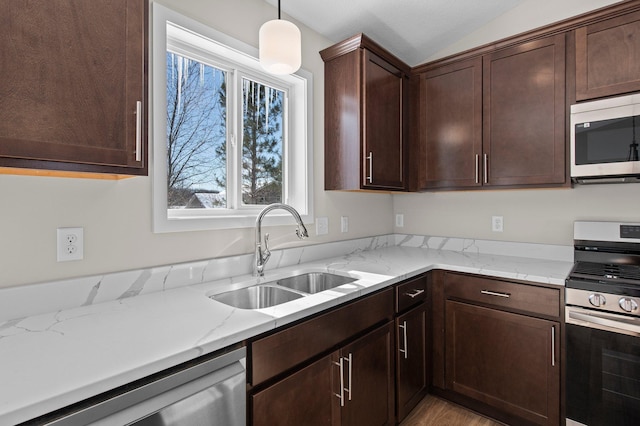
<point x="228" y="138"/>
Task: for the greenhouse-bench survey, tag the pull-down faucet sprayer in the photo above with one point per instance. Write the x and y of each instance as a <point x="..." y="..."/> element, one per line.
<point x="262" y="256"/>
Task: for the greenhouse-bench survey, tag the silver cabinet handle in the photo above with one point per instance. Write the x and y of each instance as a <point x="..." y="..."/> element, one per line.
<point x="495" y="293"/>
<point x="404" y="351"/>
<point x="477" y="168"/>
<point x="138" y="131"/>
<point x="553" y="345"/>
<point x="350" y="359"/>
<point x="341" y="394"/>
<point x="485" y="168"/>
<point x="416" y="292"/>
<point x="370" y="158"/>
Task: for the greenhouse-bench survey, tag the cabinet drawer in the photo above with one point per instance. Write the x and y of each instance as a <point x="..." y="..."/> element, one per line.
<point x="519" y="297"/>
<point x="285" y="349"/>
<point x="411" y="293"/>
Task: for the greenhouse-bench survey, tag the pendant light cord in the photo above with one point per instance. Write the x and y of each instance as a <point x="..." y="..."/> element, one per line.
<point x="279" y="9"/>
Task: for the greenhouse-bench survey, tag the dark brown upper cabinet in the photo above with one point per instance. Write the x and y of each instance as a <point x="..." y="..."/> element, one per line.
<point x="495" y="120"/>
<point x="366" y="108"/>
<point x="608" y="57"/>
<point x="524" y="114"/>
<point x="450" y="126"/>
<point x="73" y="92"/>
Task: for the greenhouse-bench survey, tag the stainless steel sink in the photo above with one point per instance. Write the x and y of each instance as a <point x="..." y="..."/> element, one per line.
<point x="256" y="297"/>
<point x="314" y="282"/>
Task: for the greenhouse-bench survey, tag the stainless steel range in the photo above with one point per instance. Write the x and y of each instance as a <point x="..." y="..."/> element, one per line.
<point x="603" y="325"/>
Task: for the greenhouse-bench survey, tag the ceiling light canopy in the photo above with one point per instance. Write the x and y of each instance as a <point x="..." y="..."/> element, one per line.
<point x="280" y="46"/>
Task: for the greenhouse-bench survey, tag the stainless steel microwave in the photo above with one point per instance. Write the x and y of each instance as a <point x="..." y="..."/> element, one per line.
<point x="604" y="140"/>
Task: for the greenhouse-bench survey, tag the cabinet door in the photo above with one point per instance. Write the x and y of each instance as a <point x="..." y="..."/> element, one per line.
<point x="383" y="124"/>
<point x="411" y="377"/>
<point x="450" y="123"/>
<point x="524" y="114"/>
<point x="369" y="379"/>
<point x="304" y="398"/>
<point x="608" y="57"/>
<point x="73" y="72"/>
<point x="505" y="360"/>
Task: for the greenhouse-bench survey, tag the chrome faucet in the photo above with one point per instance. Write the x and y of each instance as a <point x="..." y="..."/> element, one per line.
<point x="262" y="256"/>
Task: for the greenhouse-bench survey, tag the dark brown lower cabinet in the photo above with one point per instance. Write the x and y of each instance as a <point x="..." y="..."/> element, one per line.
<point x="351" y="386"/>
<point x="368" y="380"/>
<point x="505" y="360"/>
<point x="411" y="379"/>
<point x="304" y="398"/>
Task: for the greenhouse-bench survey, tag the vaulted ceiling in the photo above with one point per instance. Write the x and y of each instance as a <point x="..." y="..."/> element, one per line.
<point x="412" y="29"/>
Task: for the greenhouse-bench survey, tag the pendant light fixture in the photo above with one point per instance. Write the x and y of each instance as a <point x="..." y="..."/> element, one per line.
<point x="280" y="46"/>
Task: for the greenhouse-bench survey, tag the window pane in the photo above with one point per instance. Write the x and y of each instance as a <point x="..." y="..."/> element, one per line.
<point x="262" y="143"/>
<point x="196" y="134"/>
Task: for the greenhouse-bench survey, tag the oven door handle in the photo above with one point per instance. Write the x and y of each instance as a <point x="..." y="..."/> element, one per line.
<point x="603" y="321"/>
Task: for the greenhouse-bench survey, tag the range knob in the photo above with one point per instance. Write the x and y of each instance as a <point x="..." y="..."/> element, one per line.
<point x="627" y="304"/>
<point x="597" y="300"/>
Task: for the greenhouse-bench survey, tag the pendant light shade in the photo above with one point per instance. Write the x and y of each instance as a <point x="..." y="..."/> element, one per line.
<point x="280" y="46"/>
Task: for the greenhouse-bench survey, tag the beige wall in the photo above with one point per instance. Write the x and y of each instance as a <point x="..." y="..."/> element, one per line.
<point x="540" y="216"/>
<point x="536" y="216"/>
<point x="116" y="216"/>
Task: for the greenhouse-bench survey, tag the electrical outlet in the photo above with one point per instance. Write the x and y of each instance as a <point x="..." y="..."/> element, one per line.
<point x="344" y="224"/>
<point x="70" y="244"/>
<point x="497" y="223"/>
<point x="400" y="220"/>
<point x="322" y="225"/>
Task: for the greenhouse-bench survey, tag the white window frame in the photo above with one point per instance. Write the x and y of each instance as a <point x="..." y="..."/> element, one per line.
<point x="213" y="47"/>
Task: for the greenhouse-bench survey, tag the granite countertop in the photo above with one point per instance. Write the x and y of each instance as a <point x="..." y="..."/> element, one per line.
<point x="56" y="358"/>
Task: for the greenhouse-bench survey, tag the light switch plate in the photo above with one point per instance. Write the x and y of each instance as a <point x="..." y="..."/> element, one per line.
<point x="344" y="223"/>
<point x="497" y="223"/>
<point x="322" y="225"/>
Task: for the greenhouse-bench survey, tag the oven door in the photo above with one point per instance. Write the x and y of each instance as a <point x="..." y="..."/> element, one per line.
<point x="603" y="368"/>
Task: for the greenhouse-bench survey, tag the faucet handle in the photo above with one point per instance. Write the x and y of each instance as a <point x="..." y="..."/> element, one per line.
<point x="302" y="232"/>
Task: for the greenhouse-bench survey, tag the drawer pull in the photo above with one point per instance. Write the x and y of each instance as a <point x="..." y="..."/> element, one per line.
<point x="495" y="293"/>
<point x="415" y="293"/>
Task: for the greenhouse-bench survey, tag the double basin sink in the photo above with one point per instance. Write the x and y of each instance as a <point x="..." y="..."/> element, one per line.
<point x="281" y="291"/>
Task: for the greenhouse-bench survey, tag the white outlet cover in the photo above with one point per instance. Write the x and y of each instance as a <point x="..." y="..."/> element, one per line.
<point x="70" y="244"/>
<point x="399" y="220"/>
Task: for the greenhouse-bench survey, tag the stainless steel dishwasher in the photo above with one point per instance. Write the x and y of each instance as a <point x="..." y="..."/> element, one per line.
<point x="211" y="393"/>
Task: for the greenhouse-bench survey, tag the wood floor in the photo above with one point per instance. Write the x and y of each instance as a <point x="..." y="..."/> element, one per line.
<point x="433" y="411"/>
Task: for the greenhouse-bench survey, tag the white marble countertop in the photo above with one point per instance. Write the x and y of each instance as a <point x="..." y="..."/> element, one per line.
<point x="53" y="359"/>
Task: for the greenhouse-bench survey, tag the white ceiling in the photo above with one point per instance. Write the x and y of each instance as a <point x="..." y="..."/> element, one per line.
<point x="412" y="29"/>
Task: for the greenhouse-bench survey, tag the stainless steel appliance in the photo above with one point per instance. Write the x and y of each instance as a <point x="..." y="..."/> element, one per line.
<point x="208" y="392"/>
<point x="604" y="140"/>
<point x="603" y="325"/>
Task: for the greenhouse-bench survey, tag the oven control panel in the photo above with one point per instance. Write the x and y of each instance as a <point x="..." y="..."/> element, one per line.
<point x="602" y="301"/>
<point x="630" y="231"/>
